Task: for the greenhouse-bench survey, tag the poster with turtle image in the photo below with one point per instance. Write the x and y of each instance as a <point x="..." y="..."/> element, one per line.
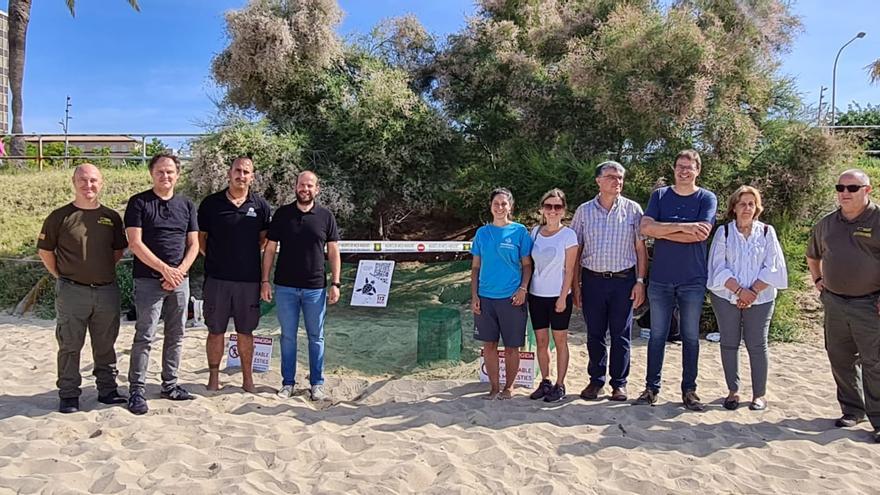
<point x="373" y="283"/>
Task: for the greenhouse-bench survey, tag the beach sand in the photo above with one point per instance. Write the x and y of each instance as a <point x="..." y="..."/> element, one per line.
<point x="419" y="433"/>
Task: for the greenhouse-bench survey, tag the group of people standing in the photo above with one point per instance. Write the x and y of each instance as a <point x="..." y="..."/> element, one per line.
<point x="599" y="264"/>
<point x="514" y="269"/>
<point x="80" y="244"/>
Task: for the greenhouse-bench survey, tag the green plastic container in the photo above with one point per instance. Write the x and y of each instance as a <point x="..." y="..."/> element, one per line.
<point x="439" y="337"/>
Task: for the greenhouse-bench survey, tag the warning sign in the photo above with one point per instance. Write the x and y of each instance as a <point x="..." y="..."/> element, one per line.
<point x="262" y="353"/>
<point x="525" y="377"/>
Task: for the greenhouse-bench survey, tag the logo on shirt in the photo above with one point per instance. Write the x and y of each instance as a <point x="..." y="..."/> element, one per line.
<point x="507" y="243"/>
<point x="42" y="236"/>
<point x="251" y="212"/>
<point x="863" y="232"/>
<point x="105" y="221"/>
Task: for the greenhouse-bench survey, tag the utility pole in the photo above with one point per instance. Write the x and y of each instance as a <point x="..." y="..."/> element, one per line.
<point x="821" y="96"/>
<point x="65" y="126"/>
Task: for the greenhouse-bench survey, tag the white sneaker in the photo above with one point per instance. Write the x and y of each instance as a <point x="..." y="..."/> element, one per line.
<point x="286" y="392"/>
<point x="318" y="392"/>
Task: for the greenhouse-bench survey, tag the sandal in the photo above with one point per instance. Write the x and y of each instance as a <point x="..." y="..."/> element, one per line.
<point x="758" y="404"/>
<point x="731" y="403"/>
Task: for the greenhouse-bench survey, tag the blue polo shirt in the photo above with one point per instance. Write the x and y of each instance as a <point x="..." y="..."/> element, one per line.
<point x="681" y="262"/>
<point x="501" y="250"/>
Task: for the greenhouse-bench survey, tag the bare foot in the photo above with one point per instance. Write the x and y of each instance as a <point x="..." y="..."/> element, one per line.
<point x="505" y="394"/>
<point x="249" y="388"/>
<point x="213" y="382"/>
<point x="492" y="395"/>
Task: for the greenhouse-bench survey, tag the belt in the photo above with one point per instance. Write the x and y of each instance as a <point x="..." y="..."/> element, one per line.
<point x="842" y="296"/>
<point x="74" y="282"/>
<point x="621" y="274"/>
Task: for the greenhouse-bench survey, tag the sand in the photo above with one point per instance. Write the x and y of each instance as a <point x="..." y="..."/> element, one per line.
<point x="383" y="434"/>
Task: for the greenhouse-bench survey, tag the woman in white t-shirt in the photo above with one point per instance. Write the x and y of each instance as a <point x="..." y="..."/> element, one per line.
<point x="554" y="254"/>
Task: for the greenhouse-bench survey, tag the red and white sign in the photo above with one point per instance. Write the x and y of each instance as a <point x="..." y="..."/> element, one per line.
<point x="262" y="353"/>
<point x="525" y="377"/>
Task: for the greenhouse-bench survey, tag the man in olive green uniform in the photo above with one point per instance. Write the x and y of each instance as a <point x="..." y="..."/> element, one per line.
<point x="80" y="244"/>
<point x="844" y="260"/>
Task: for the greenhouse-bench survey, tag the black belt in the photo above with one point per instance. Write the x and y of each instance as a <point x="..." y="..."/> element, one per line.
<point x="74" y="282"/>
<point x="842" y="296"/>
<point x="621" y="274"/>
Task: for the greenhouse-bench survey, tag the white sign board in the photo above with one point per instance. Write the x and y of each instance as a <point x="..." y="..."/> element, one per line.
<point x="524" y="378"/>
<point x="262" y="353"/>
<point x="373" y="283"/>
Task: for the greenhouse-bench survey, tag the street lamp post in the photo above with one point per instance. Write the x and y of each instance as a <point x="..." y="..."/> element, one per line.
<point x="834" y="74"/>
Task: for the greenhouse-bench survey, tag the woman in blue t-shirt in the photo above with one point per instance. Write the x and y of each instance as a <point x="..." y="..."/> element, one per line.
<point x="500" y="274"/>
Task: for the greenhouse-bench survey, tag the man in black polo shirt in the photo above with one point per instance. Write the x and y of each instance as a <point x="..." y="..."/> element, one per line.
<point x="303" y="228"/>
<point x="233" y="225"/>
<point x="163" y="236"/>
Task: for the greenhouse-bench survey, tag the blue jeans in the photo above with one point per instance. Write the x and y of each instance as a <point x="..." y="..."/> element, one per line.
<point x="313" y="302"/>
<point x="664" y="297"/>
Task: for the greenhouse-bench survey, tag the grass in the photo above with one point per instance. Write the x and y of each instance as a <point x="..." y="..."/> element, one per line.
<point x="32" y="195"/>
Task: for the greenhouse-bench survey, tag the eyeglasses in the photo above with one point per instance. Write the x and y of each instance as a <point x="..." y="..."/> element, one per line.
<point x="849" y="187"/>
<point x="551" y="207"/>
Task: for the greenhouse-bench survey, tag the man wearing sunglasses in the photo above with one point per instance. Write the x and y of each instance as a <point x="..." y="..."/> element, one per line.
<point x="611" y="281"/>
<point x="680" y="220"/>
<point x="163" y="235"/>
<point x="844" y="260"/>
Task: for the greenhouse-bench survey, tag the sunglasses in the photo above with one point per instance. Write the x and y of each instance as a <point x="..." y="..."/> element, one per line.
<point x="849" y="187"/>
<point x="551" y="207"/>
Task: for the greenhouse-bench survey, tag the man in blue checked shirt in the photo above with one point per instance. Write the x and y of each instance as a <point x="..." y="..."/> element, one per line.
<point x="680" y="219"/>
<point x="611" y="282"/>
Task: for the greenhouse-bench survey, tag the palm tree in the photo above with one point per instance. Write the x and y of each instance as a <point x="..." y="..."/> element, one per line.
<point x="874" y="71"/>
<point x="19" y="16"/>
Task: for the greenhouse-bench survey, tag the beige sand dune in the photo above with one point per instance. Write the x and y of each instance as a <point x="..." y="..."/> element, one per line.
<point x="391" y="435"/>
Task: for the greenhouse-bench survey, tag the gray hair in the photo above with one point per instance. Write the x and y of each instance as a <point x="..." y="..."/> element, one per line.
<point x="858" y="174"/>
<point x="610" y="164"/>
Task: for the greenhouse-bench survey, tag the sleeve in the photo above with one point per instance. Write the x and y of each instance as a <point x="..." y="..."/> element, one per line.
<point x="577" y="223"/>
<point x="134" y="212"/>
<point x="475" y="244"/>
<point x="571" y="239"/>
<point x="193" y="217"/>
<point x="637" y="215"/>
<point x="719" y="271"/>
<point x="814" y="245"/>
<point x="275" y="226"/>
<point x="708" y="207"/>
<point x="204" y="225"/>
<point x="119" y="239"/>
<point x="332" y="230"/>
<point x="267" y="215"/>
<point x="773" y="270"/>
<point x="47" y="240"/>
<point x="525" y="247"/>
<point x="653" y="210"/>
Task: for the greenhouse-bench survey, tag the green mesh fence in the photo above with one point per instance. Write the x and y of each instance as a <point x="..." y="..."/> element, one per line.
<point x="439" y="335"/>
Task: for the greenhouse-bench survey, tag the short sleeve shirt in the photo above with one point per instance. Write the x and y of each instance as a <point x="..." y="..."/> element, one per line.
<point x="501" y="250"/>
<point x="303" y="237"/>
<point x="849" y="250"/>
<point x="83" y="242"/>
<point x="164" y="224"/>
<point x="233" y="248"/>
<point x="548" y="255"/>
<point x="608" y="237"/>
<point x="681" y="262"/>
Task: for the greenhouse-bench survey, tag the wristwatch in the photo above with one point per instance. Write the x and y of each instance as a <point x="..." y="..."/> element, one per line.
<point x="336" y="284"/>
<point x="640" y="280"/>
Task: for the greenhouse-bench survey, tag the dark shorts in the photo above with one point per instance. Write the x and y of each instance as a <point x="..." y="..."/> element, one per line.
<point x="544" y="315"/>
<point x="500" y="318"/>
<point x="225" y="299"/>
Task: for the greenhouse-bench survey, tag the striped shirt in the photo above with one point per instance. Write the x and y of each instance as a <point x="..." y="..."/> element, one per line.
<point x="608" y="237"/>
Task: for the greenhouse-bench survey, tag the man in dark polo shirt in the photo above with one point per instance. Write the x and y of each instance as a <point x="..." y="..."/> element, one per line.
<point x="233" y="225"/>
<point x="80" y="244"/>
<point x="303" y="228"/>
<point x="844" y="260"/>
<point x="163" y="236"/>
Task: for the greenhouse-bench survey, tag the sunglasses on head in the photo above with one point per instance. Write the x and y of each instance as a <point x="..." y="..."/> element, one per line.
<point x="849" y="187"/>
<point x="551" y="207"/>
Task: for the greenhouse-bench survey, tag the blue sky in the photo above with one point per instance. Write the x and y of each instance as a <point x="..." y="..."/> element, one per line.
<point x="149" y="71"/>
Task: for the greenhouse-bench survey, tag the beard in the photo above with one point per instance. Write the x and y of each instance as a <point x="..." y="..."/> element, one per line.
<point x="305" y="198"/>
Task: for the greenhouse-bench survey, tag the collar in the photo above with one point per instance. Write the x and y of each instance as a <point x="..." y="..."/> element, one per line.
<point x="614" y="205"/>
<point x="870" y="210"/>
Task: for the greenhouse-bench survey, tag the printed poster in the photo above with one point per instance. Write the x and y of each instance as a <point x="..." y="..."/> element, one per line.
<point x="373" y="283"/>
<point x="262" y="353"/>
<point x="525" y="377"/>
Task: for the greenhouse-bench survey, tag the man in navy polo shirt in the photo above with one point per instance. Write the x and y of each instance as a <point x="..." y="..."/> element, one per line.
<point x="304" y="228"/>
<point x="163" y="236"/>
<point x="680" y="220"/>
<point x="233" y="225"/>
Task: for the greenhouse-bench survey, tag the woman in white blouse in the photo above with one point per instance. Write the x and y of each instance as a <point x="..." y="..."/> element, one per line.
<point x="746" y="267"/>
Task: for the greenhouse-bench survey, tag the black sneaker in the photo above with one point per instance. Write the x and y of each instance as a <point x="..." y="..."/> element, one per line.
<point x="69" y="405"/>
<point x="176" y="393"/>
<point x="877" y="435"/>
<point x="112" y="397"/>
<point x="542" y="390"/>
<point x="556" y="393"/>
<point x="848" y="421"/>
<point x="137" y="404"/>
